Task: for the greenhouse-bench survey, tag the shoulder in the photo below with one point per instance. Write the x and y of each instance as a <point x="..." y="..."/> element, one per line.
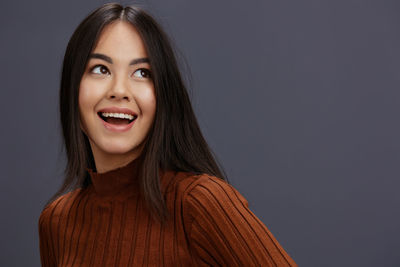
<point x="190" y="184"/>
<point x="211" y="189"/>
<point x="221" y="228"/>
<point x="58" y="206"/>
<point x="210" y="195"/>
<point x="204" y="194"/>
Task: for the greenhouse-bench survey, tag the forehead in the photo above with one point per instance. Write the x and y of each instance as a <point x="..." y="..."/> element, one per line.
<point x="120" y="39"/>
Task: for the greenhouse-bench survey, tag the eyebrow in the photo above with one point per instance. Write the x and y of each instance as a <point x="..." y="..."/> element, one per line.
<point x="109" y="60"/>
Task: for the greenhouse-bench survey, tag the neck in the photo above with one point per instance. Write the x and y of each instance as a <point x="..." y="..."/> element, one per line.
<point x="107" y="162"/>
<point x="119" y="182"/>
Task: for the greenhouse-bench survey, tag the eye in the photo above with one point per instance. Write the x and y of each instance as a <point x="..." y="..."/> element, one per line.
<point x="99" y="69"/>
<point x="142" y="73"/>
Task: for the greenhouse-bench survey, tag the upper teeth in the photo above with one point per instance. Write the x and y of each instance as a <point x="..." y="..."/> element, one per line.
<point x="118" y="115"/>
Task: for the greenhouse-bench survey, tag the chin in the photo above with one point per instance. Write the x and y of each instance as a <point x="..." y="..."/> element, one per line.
<point x="119" y="147"/>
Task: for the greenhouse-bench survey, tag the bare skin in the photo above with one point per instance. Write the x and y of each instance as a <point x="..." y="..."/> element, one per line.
<point x="118" y="84"/>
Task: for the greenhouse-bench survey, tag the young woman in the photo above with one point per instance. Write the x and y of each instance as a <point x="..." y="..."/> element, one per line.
<point x="142" y="187"/>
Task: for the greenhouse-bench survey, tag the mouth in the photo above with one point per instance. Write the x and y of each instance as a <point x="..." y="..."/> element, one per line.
<point x="117" y="118"/>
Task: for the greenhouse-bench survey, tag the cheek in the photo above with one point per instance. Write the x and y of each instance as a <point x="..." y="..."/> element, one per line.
<point x="86" y="102"/>
<point x="89" y="93"/>
<point x="82" y="104"/>
<point x="83" y="95"/>
<point x="148" y="103"/>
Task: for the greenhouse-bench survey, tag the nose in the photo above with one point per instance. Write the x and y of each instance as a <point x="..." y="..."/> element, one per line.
<point x="119" y="89"/>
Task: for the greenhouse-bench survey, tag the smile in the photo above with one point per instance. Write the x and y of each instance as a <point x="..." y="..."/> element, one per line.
<point x="117" y="122"/>
<point x="117" y="118"/>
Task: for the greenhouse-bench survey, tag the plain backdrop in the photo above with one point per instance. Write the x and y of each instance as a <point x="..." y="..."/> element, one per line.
<point x="299" y="100"/>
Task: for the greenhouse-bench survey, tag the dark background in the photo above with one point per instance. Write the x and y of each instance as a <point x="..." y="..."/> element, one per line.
<point x="298" y="99"/>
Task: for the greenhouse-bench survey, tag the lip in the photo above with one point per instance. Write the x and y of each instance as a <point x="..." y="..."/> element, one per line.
<point x="114" y="127"/>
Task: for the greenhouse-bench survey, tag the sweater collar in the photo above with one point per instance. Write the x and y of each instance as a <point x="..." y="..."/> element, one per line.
<point x="117" y="182"/>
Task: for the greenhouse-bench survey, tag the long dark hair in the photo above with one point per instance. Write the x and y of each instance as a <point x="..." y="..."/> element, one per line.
<point x="174" y="141"/>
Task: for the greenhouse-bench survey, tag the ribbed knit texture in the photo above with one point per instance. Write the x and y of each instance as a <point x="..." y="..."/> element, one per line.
<point x="107" y="224"/>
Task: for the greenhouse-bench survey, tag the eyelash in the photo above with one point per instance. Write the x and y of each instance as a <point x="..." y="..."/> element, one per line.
<point x="141" y="69"/>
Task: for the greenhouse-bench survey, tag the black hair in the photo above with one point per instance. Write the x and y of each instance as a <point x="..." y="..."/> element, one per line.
<point x="174" y="141"/>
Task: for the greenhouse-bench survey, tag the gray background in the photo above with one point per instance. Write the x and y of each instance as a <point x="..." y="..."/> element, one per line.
<point x="298" y="99"/>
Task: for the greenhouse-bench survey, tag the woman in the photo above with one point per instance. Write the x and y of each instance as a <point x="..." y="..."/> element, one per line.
<point x="143" y="188"/>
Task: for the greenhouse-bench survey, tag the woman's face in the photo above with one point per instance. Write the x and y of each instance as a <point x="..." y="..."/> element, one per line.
<point x="116" y="97"/>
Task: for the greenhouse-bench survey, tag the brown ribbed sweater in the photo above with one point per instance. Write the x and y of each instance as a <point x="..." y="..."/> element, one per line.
<point x="107" y="224"/>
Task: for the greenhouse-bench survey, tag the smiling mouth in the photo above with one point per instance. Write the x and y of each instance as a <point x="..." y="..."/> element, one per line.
<point x="116" y="118"/>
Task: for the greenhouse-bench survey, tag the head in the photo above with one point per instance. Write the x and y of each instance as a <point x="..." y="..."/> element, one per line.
<point x="168" y="137"/>
<point x="117" y="79"/>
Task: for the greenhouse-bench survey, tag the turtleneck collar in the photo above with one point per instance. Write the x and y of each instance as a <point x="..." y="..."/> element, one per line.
<point x="118" y="182"/>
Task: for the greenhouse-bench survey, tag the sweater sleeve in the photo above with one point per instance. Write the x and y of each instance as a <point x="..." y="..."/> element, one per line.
<point x="46" y="252"/>
<point x="224" y="232"/>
